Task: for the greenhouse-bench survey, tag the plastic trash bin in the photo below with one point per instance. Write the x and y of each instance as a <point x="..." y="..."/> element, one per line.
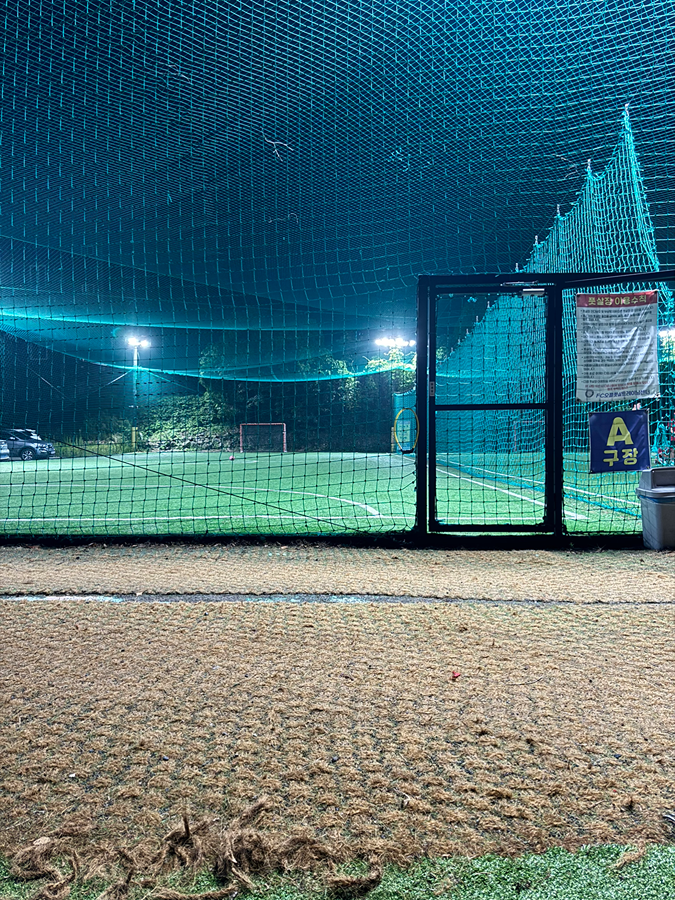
<point x="656" y="491"/>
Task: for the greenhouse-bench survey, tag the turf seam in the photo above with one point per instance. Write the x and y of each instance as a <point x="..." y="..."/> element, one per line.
<point x="347" y="599"/>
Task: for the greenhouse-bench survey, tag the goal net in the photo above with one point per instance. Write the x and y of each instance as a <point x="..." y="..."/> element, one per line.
<point x="263" y="437"/>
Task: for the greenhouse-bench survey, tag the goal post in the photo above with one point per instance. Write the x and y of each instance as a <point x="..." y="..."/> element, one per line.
<point x="262" y="437"/>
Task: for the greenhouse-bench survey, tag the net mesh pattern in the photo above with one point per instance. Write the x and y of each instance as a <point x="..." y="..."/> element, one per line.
<point x="608" y="229"/>
<point x="500" y="359"/>
<point x="253" y="187"/>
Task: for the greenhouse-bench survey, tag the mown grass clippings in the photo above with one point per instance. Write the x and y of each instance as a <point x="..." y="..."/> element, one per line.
<point x="314" y="568"/>
<point x="150" y="730"/>
<point x="235" y="854"/>
<point x="345" y="887"/>
<point x="634" y="854"/>
<point x="183" y="845"/>
<point x="162" y="893"/>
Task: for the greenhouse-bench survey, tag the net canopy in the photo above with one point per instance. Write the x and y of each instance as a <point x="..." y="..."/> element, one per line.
<point x="609" y="226"/>
<point x="257" y="184"/>
<point x="607" y="229"/>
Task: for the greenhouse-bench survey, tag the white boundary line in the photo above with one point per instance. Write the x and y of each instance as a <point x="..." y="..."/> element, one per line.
<point x="604" y="497"/>
<point x="369" y="509"/>
<point x="494" y="472"/>
<point x="490" y="487"/>
<point x="75" y="519"/>
<point x="576" y="490"/>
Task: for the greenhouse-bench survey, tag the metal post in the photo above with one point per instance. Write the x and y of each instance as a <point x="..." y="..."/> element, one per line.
<point x="134" y="424"/>
<point x="554" y="411"/>
<point x="432" y="328"/>
<point x="422" y="400"/>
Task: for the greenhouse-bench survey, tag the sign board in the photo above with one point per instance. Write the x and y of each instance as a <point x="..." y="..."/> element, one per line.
<point x="619" y="441"/>
<point x="617" y="355"/>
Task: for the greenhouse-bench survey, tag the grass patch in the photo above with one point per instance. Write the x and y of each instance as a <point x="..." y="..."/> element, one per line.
<point x="589" y="874"/>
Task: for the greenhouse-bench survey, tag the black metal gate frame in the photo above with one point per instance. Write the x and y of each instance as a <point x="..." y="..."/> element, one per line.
<point x="428" y="290"/>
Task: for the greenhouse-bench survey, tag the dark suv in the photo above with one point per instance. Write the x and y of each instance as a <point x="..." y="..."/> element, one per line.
<point x="25" y="444"/>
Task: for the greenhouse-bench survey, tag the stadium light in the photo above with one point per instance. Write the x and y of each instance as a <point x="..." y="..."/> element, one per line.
<point x="391" y="342"/>
<point x="136" y="343"/>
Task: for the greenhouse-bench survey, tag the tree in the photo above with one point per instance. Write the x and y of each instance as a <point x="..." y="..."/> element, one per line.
<point x="203" y="422"/>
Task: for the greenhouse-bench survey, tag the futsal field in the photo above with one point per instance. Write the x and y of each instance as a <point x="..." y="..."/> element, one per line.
<point x="294" y="493"/>
<point x="199" y="493"/>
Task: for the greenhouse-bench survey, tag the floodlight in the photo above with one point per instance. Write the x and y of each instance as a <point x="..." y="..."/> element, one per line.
<point x="391" y="342"/>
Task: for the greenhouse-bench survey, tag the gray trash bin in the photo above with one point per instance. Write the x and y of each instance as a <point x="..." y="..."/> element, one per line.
<point x="657" y="497"/>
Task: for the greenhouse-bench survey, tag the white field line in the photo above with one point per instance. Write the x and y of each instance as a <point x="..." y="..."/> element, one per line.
<point x="372" y="513"/>
<point x="369" y="509"/>
<point x="75" y="519"/>
<point x="604" y="497"/>
<point x="490" y="487"/>
<point x="576" y="490"/>
<point x="494" y="472"/>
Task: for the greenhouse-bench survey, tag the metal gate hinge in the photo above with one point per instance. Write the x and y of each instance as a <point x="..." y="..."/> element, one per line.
<point x="432" y="388"/>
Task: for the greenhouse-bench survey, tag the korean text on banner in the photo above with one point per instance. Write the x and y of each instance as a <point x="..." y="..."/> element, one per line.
<point x="617" y="356"/>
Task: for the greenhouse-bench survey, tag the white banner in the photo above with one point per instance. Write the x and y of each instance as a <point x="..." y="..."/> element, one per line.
<point x="617" y="346"/>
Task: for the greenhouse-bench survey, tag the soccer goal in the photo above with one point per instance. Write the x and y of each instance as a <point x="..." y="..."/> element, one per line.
<point x="262" y="437"/>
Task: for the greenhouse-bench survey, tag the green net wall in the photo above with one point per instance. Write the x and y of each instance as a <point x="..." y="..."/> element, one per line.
<point x="499" y="358"/>
<point x="252" y="188"/>
<point x="608" y="229"/>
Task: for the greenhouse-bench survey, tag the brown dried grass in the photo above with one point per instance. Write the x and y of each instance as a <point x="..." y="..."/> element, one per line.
<point x="34" y="862"/>
<point x="153" y="730"/>
<point x="320" y="568"/>
<point x="354" y="885"/>
<point x="234" y="854"/>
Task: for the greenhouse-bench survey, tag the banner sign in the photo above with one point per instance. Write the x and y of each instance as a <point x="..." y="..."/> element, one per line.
<point x="619" y="441"/>
<point x="617" y="356"/>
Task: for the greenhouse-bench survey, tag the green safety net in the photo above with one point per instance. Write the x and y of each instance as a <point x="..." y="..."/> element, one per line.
<point x="608" y="229"/>
<point x="500" y="359"/>
<point x="252" y="188"/>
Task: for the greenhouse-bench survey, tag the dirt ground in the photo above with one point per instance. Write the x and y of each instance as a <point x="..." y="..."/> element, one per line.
<point x="273" y="568"/>
<point x="389" y="730"/>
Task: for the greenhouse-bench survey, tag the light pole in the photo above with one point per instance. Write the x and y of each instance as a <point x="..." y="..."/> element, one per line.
<point x="135" y="343"/>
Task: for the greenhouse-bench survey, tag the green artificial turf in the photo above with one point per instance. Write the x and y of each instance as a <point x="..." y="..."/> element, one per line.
<point x="296" y="493"/>
<point x="200" y="493"/>
<point x="589" y="874"/>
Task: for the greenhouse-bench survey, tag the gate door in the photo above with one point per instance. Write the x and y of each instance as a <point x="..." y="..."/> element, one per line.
<point x="490" y="418"/>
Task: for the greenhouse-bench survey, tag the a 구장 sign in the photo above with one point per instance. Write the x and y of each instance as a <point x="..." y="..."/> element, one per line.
<point x="619" y="441"/>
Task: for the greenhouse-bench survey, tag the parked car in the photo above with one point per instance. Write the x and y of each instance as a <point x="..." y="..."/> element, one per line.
<point x="22" y="443"/>
<point x="4" y="450"/>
